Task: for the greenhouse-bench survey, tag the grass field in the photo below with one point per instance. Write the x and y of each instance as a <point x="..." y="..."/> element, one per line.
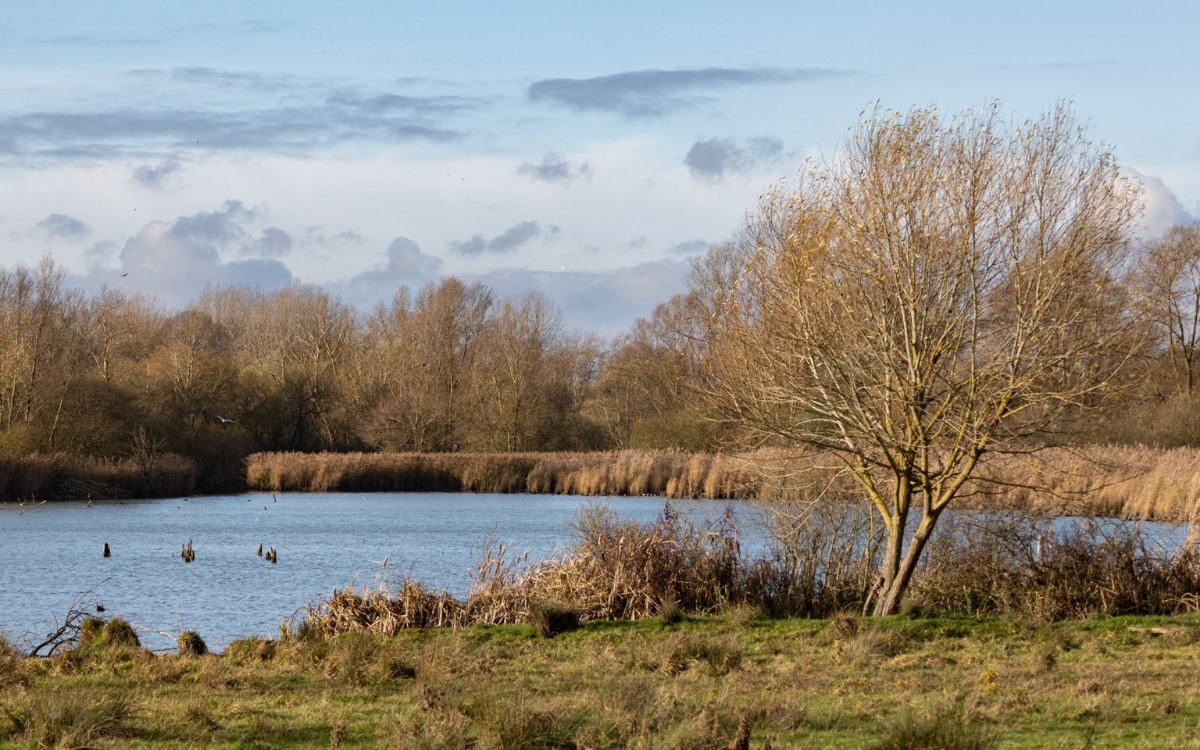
<point x="734" y="681"/>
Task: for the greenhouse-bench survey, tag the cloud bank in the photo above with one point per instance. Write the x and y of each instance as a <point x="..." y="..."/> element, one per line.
<point x="256" y="112"/>
<point x="176" y="260"/>
<point x="60" y="226"/>
<point x="656" y="93"/>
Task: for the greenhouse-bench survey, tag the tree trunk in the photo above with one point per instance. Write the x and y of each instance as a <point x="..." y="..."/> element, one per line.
<point x="895" y="586"/>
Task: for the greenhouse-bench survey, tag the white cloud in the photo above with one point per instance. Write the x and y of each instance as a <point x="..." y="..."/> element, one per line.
<point x="405" y="265"/>
<point x="1163" y="209"/>
<point x="175" y="260"/>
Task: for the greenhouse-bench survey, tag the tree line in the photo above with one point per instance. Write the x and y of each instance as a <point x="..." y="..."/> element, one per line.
<point x="447" y="368"/>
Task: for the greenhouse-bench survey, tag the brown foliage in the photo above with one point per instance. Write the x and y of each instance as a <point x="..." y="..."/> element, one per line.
<point x="618" y="570"/>
<point x="60" y="476"/>
<point x="1023" y="566"/>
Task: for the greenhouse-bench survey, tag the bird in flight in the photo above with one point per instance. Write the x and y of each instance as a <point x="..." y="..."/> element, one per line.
<point x="223" y="420"/>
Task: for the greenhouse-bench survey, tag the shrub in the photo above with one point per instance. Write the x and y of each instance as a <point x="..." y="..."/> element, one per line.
<point x="1022" y="566"/>
<point x="191" y="644"/>
<point x="89" y="631"/>
<point x="551" y="618"/>
<point x="251" y="649"/>
<point x="117" y="632"/>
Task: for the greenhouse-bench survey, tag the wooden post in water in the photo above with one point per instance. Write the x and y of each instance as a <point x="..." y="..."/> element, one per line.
<point x="107" y="551"/>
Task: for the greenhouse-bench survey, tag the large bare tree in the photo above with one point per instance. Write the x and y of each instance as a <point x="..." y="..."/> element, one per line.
<point x="938" y="293"/>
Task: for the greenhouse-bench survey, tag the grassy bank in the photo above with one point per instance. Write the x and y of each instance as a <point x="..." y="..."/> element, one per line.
<point x="1121" y="482"/>
<point x="726" y="682"/>
<point x="61" y="476"/>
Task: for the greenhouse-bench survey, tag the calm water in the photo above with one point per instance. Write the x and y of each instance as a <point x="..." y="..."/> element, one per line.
<point x="51" y="553"/>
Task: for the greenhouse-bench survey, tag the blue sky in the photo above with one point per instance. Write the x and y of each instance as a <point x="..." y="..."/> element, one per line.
<point x="586" y="150"/>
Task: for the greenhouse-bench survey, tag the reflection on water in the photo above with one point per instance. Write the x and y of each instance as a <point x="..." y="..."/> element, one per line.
<point x="51" y="553"/>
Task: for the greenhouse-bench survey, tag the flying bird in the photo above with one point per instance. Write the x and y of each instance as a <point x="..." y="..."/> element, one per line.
<point x="223" y="420"/>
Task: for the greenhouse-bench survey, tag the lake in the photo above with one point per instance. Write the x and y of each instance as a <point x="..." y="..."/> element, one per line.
<point x="52" y="552"/>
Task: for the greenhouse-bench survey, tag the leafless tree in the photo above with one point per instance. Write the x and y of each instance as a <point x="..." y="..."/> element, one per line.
<point x="37" y="314"/>
<point x="938" y="293"/>
<point x="643" y="395"/>
<point x="1169" y="280"/>
<point x="510" y="383"/>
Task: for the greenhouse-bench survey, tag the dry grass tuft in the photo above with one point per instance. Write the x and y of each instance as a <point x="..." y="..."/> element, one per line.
<point x="939" y="731"/>
<point x="69" y="719"/>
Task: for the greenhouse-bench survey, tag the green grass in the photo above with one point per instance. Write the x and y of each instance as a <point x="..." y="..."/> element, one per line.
<point x="898" y="682"/>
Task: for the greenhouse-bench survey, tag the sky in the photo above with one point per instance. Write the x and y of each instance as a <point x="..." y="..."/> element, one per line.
<point x="586" y="150"/>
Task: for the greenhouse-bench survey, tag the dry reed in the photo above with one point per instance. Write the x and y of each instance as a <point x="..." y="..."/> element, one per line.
<point x="1131" y="482"/>
<point x="1112" y="481"/>
<point x="671" y="474"/>
<point x="618" y="570"/>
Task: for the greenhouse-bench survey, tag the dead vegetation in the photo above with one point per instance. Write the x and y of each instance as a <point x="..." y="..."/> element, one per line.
<point x="63" y="476"/>
<point x="1133" y="482"/>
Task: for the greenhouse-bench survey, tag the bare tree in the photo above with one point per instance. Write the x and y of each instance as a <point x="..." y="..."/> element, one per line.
<point x="449" y="319"/>
<point x="295" y="343"/>
<point x="37" y="315"/>
<point x="510" y="383"/>
<point x="113" y="330"/>
<point x="1169" y="280"/>
<point x="642" y="397"/>
<point x="939" y="293"/>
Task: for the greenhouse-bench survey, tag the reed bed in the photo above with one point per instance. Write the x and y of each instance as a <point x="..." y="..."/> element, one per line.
<point x="62" y="476"/>
<point x="617" y="571"/>
<point x="667" y="473"/>
<point x="1132" y="482"/>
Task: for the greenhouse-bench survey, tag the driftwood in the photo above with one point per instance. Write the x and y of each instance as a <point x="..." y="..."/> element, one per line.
<point x="66" y="633"/>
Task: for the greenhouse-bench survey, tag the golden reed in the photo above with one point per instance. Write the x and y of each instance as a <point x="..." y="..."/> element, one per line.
<point x="1125" y="482"/>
